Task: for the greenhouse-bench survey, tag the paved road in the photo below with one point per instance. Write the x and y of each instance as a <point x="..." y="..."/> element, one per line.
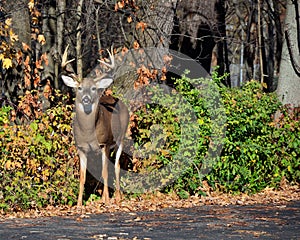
<point x="206" y="222"/>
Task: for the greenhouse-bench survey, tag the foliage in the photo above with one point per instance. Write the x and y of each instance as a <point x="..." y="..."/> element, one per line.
<point x="257" y="150"/>
<point x="286" y="142"/>
<point x="247" y="162"/>
<point x="37" y="164"/>
<point x="21" y="67"/>
<point x="7" y="46"/>
<point x="174" y="132"/>
<point x="177" y="135"/>
<point x="159" y="136"/>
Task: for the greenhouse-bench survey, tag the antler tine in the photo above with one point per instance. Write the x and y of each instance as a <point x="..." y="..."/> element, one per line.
<point x="112" y="60"/>
<point x="64" y="61"/>
<point x="65" y="64"/>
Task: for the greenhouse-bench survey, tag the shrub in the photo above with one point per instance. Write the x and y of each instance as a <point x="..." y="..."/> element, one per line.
<point x="37" y="164"/>
<point x="246" y="162"/>
<point x="257" y="150"/>
<point x="286" y="143"/>
<point x="174" y="133"/>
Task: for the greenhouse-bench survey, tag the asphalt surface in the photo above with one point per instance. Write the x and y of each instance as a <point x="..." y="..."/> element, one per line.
<point x="205" y="222"/>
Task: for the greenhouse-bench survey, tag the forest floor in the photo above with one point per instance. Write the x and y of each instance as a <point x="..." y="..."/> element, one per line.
<point x="270" y="214"/>
<point x="267" y="215"/>
<point x="159" y="201"/>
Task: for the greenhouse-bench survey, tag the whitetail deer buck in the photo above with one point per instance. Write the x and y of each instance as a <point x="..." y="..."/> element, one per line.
<point x="99" y="124"/>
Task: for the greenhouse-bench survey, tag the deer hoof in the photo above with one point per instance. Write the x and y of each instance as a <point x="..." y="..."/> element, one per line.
<point x="105" y="197"/>
<point x="118" y="196"/>
<point x="79" y="203"/>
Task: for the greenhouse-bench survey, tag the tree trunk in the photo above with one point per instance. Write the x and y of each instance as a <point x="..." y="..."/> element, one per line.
<point x="155" y="38"/>
<point x="79" y="41"/>
<point x="61" y="8"/>
<point x="21" y="20"/>
<point x="159" y="22"/>
<point x="288" y="89"/>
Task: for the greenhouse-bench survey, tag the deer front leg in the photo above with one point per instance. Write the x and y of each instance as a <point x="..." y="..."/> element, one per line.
<point x="105" y="154"/>
<point x="83" y="163"/>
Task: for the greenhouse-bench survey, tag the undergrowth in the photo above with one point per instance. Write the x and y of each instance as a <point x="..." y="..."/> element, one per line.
<point x="199" y="131"/>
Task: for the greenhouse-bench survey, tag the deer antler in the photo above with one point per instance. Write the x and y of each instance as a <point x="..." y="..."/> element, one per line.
<point x="65" y="64"/>
<point x="112" y="60"/>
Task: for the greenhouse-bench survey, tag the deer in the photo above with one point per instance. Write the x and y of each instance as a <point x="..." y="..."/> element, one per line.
<point x="99" y="125"/>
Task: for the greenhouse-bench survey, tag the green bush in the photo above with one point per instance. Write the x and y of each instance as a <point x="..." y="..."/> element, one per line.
<point x="257" y="152"/>
<point x="37" y="166"/>
<point x="286" y="143"/>
<point x="174" y="133"/>
<point x="247" y="162"/>
<point x="159" y="131"/>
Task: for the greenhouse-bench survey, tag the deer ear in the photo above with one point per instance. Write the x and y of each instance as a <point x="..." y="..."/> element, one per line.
<point x="70" y="82"/>
<point x="104" y="83"/>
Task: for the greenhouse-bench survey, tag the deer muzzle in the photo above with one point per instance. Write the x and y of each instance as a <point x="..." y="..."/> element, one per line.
<point x="87" y="104"/>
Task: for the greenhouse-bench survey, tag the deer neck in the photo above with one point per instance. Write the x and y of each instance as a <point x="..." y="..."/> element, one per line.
<point x="85" y="129"/>
<point x="86" y="122"/>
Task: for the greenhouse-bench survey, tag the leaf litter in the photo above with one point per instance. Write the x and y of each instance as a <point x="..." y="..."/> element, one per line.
<point x="158" y="201"/>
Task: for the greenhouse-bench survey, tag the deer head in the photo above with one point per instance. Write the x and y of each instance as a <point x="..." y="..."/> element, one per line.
<point x="88" y="90"/>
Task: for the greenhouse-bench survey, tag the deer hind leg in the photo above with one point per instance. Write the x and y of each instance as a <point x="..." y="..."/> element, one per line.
<point x="105" y="154"/>
<point x="83" y="163"/>
<point x="117" y="172"/>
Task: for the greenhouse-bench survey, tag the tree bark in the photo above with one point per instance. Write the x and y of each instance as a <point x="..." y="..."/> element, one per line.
<point x="79" y="41"/>
<point x="288" y="89"/>
<point x="61" y="8"/>
<point x="158" y="15"/>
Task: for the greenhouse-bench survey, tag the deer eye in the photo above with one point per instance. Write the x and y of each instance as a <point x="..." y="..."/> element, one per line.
<point x="94" y="88"/>
<point x="79" y="88"/>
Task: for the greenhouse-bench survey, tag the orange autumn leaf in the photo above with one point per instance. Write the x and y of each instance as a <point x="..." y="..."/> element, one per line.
<point x="13" y="115"/>
<point x="124" y="51"/>
<point x="26" y="81"/>
<point x="38" y="64"/>
<point x="121" y="4"/>
<point x="13" y="37"/>
<point x="27" y="60"/>
<point x="31" y="5"/>
<point x="36" y="81"/>
<point x="116" y="7"/>
<point x="136" y="45"/>
<point x="47" y="90"/>
<point x="37" y="13"/>
<point x="44" y="58"/>
<point x="33" y="36"/>
<point x="19" y="57"/>
<point x="167" y="59"/>
<point x="41" y="39"/>
<point x="129" y="19"/>
<point x="27" y="111"/>
<point x="141" y="25"/>
<point x="8" y="21"/>
<point x="108" y="92"/>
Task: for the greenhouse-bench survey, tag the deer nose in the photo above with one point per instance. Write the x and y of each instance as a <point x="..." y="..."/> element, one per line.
<point x="86" y="100"/>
